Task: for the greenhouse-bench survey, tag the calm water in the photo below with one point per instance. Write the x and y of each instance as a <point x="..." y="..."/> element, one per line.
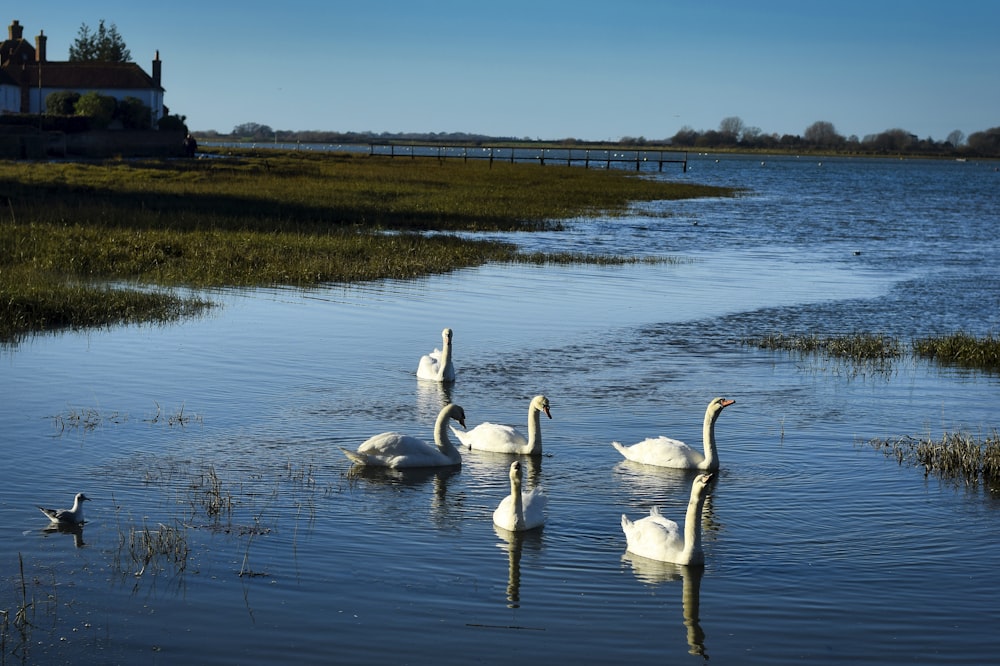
<point x="818" y="549"/>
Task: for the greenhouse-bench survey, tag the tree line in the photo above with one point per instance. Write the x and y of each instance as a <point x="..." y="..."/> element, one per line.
<point x="823" y="136"/>
<point x="732" y="134"/>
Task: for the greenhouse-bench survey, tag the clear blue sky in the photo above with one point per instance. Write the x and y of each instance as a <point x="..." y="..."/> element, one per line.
<point x="551" y="70"/>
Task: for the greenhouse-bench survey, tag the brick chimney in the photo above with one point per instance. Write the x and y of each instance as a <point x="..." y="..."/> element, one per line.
<point x="156" y="69"/>
<point x="40" y="46"/>
<point x="16" y="30"/>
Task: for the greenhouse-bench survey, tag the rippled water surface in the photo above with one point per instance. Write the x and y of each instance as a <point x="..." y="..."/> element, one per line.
<point x="221" y="436"/>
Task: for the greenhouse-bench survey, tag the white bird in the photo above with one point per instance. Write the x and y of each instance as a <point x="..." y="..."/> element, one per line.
<point x="666" y="452"/>
<point x="520" y="511"/>
<point x="72" y="516"/>
<point x="437" y="365"/>
<point x="396" y="450"/>
<point x="506" y="439"/>
<point x="659" y="538"/>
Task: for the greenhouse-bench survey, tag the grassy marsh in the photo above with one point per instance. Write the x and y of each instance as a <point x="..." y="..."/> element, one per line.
<point x="956" y="456"/>
<point x="96" y="244"/>
<point x="878" y="350"/>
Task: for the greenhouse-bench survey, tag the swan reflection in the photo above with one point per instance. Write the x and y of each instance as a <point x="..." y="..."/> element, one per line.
<point x="410" y="478"/>
<point x="432" y="396"/>
<point x="654" y="572"/>
<point x="513" y="543"/>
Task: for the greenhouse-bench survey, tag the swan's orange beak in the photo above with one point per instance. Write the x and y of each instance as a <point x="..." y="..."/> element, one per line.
<point x="726" y="403"/>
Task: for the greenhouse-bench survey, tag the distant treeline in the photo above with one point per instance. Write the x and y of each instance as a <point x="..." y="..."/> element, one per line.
<point x="732" y="135"/>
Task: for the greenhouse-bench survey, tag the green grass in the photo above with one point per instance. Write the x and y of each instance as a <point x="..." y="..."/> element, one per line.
<point x="101" y="243"/>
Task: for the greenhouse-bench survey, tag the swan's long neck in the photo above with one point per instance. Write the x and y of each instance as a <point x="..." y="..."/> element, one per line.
<point x="692" y="525"/>
<point x="445" y="357"/>
<point x="534" y="429"/>
<point x="708" y="440"/>
<point x="441" y="438"/>
<point x="515" y="494"/>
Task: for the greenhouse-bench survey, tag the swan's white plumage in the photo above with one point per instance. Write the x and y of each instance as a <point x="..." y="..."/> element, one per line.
<point x="506" y="439"/>
<point x="658" y="538"/>
<point x="396" y="450"/>
<point x="666" y="452"/>
<point x="72" y="516"/>
<point x="520" y="511"/>
<point x="438" y="365"/>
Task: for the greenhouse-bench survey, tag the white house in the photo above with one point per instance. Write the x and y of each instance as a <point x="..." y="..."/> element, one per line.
<point x="27" y="77"/>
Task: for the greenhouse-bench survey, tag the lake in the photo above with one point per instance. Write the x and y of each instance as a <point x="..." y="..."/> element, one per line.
<point x="226" y="526"/>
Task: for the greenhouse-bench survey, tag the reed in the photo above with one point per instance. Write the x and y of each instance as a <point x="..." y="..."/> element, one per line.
<point x="961" y="349"/>
<point x="956" y="456"/>
<point x="160" y="547"/>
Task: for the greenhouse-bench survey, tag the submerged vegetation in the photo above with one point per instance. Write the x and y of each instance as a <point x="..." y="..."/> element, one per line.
<point x="95" y="244"/>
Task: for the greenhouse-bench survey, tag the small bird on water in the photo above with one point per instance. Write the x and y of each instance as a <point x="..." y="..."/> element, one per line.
<point x="72" y="516"/>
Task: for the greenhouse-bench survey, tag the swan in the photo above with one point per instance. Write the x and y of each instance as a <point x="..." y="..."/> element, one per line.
<point x="658" y="538"/>
<point x="437" y="365"/>
<point x="396" y="450"/>
<point x="72" y="516"/>
<point x="520" y="511"/>
<point x="505" y="439"/>
<point x="666" y="452"/>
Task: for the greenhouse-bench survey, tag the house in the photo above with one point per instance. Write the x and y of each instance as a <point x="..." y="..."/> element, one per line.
<point x="27" y="77"/>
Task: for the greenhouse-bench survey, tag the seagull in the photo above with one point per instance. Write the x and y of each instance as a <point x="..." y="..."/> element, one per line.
<point x="72" y="516"/>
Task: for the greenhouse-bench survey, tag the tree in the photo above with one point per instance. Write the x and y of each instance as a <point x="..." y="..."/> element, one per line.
<point x="105" y="45"/>
<point x="134" y="113"/>
<point x="253" y="131"/>
<point x="731" y="128"/>
<point x="822" y="134"/>
<point x="62" y="103"/>
<point x="956" y="138"/>
<point x="99" y="108"/>
<point x="986" y="143"/>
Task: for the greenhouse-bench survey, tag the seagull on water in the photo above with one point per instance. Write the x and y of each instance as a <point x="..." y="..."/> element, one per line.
<point x="72" y="516"/>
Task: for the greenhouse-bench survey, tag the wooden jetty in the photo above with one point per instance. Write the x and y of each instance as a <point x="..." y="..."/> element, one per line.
<point x="585" y="157"/>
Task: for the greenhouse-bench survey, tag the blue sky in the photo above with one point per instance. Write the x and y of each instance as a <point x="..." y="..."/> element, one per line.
<point x="551" y="70"/>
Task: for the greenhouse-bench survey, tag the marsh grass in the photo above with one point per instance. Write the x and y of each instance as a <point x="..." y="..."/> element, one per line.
<point x="78" y="239"/>
<point x="878" y="350"/>
<point x="961" y="349"/>
<point x="864" y="352"/>
<point x="160" y="548"/>
<point x="956" y="456"/>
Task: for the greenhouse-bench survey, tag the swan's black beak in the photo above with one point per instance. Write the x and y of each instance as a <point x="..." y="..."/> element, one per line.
<point x="547" y="412"/>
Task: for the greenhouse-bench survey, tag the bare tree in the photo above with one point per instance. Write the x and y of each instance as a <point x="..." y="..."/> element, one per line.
<point x="731" y="127"/>
<point x="822" y="133"/>
<point x="956" y="138"/>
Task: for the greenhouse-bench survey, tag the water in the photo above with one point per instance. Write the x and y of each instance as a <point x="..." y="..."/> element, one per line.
<point x="818" y="549"/>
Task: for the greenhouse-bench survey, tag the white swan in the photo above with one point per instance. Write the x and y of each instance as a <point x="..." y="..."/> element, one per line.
<point x="520" y="511"/>
<point x="666" y="452"/>
<point x="506" y="439"/>
<point x="396" y="450"/>
<point x="72" y="516"/>
<point x="437" y="365"/>
<point x="659" y="538"/>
